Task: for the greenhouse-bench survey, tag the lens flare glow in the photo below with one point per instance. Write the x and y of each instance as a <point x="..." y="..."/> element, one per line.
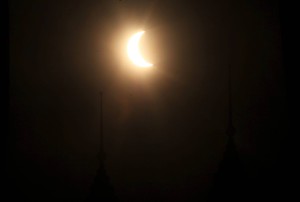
<point x="134" y="52"/>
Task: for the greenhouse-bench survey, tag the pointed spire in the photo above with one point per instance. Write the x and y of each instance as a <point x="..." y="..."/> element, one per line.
<point x="101" y="188"/>
<point x="101" y="149"/>
<point x="230" y="128"/>
<point x="229" y="182"/>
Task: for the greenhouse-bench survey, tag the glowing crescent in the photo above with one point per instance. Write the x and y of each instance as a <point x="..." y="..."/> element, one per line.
<point x="134" y="53"/>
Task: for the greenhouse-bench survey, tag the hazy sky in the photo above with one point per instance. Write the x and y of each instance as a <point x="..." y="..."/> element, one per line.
<point x="164" y="129"/>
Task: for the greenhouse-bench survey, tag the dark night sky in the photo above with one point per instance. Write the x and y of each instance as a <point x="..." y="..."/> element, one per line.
<point x="164" y="129"/>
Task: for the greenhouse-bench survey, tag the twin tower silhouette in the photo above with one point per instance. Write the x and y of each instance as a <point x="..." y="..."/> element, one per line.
<point x="230" y="181"/>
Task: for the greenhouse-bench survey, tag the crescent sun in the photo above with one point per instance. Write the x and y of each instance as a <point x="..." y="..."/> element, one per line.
<point x="134" y="53"/>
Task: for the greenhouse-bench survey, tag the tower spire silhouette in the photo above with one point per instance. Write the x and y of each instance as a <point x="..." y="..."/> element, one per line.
<point x="101" y="149"/>
<point x="101" y="189"/>
<point x="230" y="128"/>
<point x="229" y="182"/>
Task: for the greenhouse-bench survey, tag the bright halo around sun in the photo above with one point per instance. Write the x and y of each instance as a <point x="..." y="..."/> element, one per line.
<point x="134" y="52"/>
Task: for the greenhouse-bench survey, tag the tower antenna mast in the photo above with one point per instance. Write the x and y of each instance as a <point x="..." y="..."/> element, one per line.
<point x="101" y="151"/>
